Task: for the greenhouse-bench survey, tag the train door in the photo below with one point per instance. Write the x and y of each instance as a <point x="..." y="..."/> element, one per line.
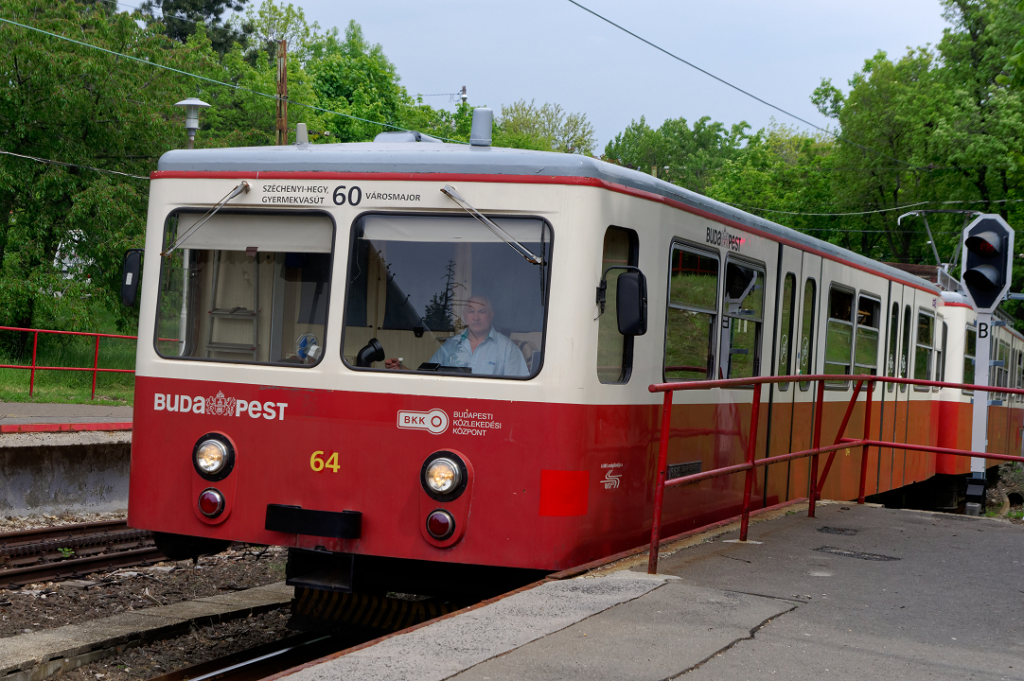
<point x="808" y="310"/>
<point x="904" y="367"/>
<point x="890" y="393"/>
<point x="785" y="363"/>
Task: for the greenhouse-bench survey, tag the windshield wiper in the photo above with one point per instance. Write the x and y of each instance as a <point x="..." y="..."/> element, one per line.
<point x="522" y="250"/>
<point x="242" y="188"/>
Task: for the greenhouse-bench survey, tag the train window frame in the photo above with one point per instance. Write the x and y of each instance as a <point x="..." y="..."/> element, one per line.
<point x="808" y="332"/>
<point x="941" y="356"/>
<point x="894" y="345"/>
<point x="906" y="348"/>
<point x="203" y="210"/>
<point x="675" y="245"/>
<point x="549" y="251"/>
<point x="919" y="347"/>
<point x="970" y="356"/>
<point x="786" y="334"/>
<point x="835" y="288"/>
<point x="730" y="320"/>
<point x="609" y="318"/>
<point x="1020" y="374"/>
<point x="858" y="326"/>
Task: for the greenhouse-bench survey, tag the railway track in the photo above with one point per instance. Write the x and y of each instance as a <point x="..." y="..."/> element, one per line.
<point x="262" y="661"/>
<point x="70" y="551"/>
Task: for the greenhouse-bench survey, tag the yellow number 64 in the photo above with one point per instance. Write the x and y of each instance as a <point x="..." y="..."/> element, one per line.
<point x="317" y="463"/>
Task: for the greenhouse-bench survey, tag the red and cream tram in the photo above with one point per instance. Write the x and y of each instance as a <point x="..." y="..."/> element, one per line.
<point x="391" y="358"/>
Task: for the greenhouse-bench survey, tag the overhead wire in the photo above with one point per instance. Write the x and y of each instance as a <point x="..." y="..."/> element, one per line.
<point x="738" y="88"/>
<point x="71" y="165"/>
<point x="870" y="212"/>
<point x="212" y="80"/>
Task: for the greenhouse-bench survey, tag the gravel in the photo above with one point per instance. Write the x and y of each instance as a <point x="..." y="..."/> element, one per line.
<point x="202" y="644"/>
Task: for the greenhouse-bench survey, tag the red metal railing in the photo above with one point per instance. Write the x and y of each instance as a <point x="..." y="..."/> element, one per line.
<point x="95" y="368"/>
<point x="751" y="464"/>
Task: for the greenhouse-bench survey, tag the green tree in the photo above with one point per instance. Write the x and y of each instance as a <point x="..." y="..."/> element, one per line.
<point x="72" y="104"/>
<point x="546" y="128"/>
<point x="180" y="19"/>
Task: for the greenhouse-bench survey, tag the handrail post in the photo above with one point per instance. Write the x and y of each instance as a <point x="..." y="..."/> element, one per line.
<point x="32" y="375"/>
<point x="866" y="448"/>
<point x="819" y="408"/>
<point x="659" y="485"/>
<point x="95" y="365"/>
<point x="755" y="410"/>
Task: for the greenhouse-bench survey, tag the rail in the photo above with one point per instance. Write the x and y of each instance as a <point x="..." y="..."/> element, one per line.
<point x="34" y="367"/>
<point x="751" y="464"/>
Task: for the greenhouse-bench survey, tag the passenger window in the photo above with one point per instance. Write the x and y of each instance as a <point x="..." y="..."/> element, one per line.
<point x="905" y="354"/>
<point x="1020" y="373"/>
<point x="940" y="355"/>
<point x="743" y="311"/>
<point x="615" y="351"/>
<point x="970" y="348"/>
<point x="786" y="326"/>
<point x="894" y="329"/>
<point x="869" y="313"/>
<point x="692" y="314"/>
<point x="806" y="351"/>
<point x="923" y="351"/>
<point x="839" y="334"/>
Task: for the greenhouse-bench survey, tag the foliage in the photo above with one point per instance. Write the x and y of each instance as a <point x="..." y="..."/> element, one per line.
<point x="180" y="19"/>
<point x="67" y="102"/>
<point x="523" y="125"/>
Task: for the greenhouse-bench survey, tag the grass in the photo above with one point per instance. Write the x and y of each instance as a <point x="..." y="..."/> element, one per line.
<point x="69" y="387"/>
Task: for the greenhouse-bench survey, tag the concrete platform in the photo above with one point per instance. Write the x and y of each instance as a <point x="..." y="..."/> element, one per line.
<point x="64" y="457"/>
<point x="43" y="654"/>
<point x="24" y="413"/>
<point x="857" y="593"/>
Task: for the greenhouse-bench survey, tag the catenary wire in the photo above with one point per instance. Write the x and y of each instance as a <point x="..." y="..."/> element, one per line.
<point x="71" y="165"/>
<point x="737" y="88"/>
<point x="211" y="80"/>
<point x="870" y="212"/>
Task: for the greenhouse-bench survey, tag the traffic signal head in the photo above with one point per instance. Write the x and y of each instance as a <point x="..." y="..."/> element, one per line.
<point x="988" y="246"/>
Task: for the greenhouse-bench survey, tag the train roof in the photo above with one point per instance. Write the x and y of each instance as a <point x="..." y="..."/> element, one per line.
<point x="462" y="159"/>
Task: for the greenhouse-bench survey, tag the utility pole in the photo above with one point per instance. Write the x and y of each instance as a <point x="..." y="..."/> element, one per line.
<point x="464" y="95"/>
<point x="282" y="92"/>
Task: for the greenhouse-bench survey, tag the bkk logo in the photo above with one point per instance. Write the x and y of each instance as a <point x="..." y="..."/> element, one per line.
<point x="434" y="421"/>
<point x="220" y="406"/>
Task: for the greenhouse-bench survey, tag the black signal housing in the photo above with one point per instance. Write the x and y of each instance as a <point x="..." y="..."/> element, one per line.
<point x="987" y="261"/>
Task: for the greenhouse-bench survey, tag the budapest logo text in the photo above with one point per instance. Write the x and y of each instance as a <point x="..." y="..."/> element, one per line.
<point x="219" y="406"/>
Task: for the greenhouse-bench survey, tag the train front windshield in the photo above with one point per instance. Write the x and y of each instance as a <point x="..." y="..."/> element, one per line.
<point x="245" y="287"/>
<point x="446" y="295"/>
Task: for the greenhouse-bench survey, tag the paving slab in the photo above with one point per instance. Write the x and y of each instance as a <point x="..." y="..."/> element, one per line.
<point x="859" y="592"/>
<point x="451" y="645"/>
<point x="42" y="654"/>
<point x="659" y="635"/>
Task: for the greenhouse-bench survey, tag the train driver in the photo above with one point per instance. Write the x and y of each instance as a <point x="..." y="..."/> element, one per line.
<point x="480" y="347"/>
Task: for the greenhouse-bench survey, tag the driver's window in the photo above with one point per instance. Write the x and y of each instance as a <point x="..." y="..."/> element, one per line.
<point x="445" y="295"/>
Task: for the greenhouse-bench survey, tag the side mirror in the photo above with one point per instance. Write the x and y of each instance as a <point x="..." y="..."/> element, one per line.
<point x="631" y="303"/>
<point x="131" y="270"/>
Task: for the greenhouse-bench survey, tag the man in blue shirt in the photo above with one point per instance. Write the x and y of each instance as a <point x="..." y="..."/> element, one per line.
<point x="480" y="347"/>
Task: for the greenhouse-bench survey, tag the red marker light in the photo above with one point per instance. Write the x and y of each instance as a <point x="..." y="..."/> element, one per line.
<point x="985" y="249"/>
<point x="440" y="524"/>
<point x="211" y="503"/>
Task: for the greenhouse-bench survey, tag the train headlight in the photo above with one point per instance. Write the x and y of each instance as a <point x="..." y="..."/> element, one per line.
<point x="213" y="456"/>
<point x="442" y="476"/>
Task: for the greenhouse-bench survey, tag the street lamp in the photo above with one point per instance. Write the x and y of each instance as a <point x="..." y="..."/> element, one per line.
<point x="192" y="107"/>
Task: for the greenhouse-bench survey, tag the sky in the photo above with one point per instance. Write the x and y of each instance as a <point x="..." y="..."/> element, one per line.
<point x="553" y="51"/>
